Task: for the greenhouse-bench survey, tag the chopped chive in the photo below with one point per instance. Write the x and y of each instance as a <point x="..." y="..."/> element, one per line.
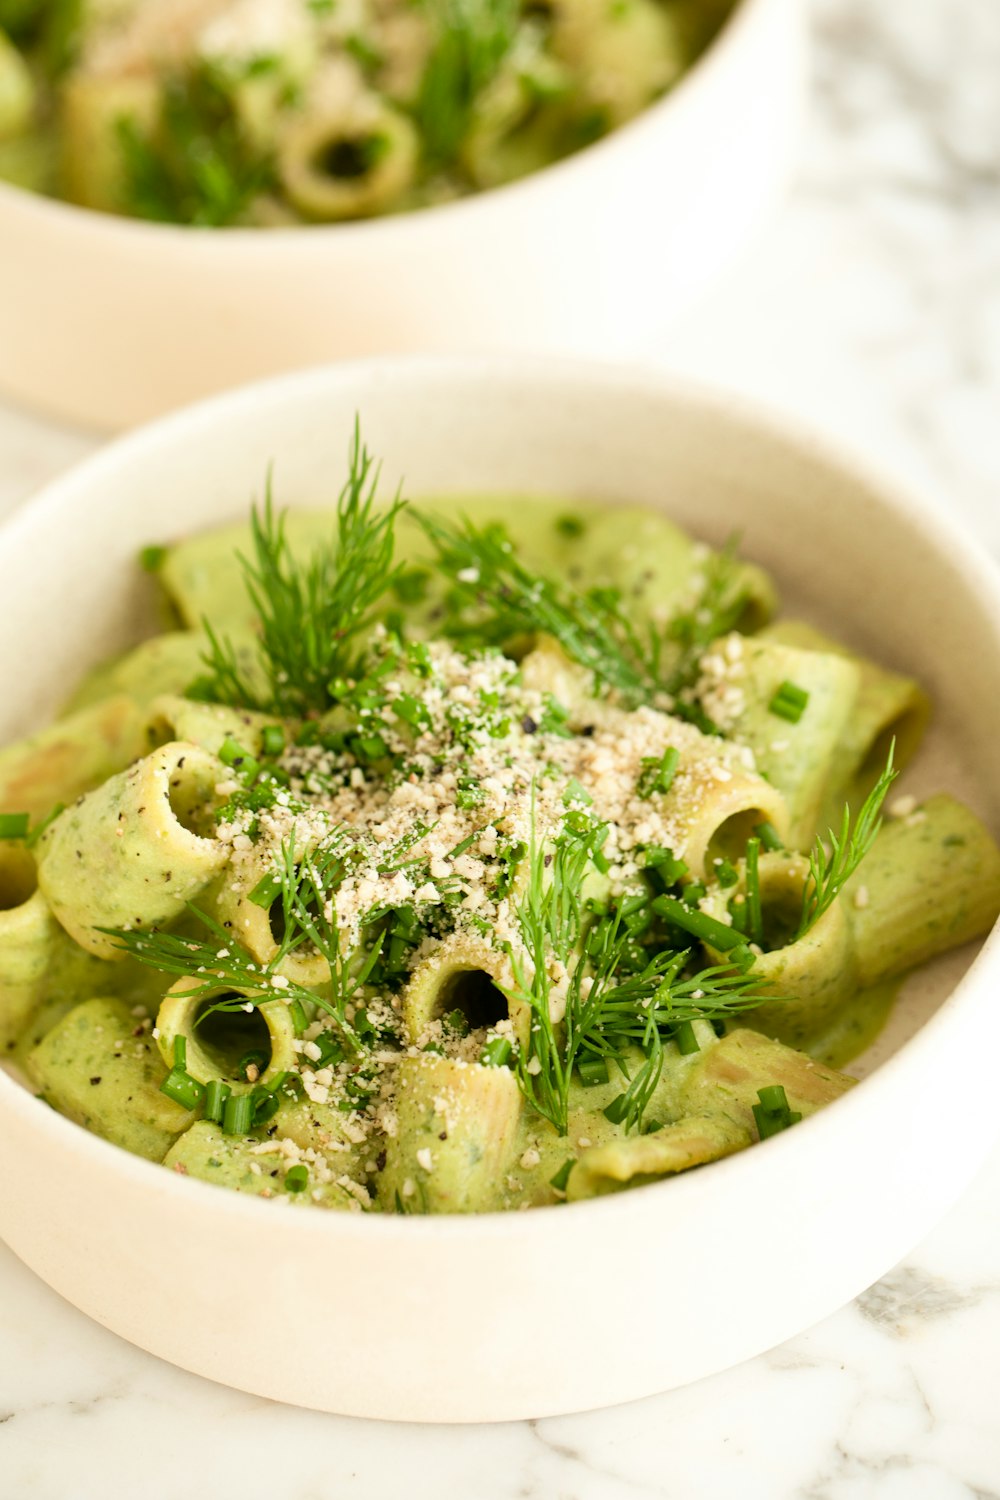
<point x="693" y="893"/>
<point x="561" y="1178"/>
<point x="232" y="753"/>
<point x="330" y="1049"/>
<point x="592" y="1071"/>
<point x="183" y="1089"/>
<point x="726" y="872"/>
<point x="180" y="1053"/>
<point x="700" y="925"/>
<point x="266" y="891"/>
<point x="369" y="747"/>
<point x="570" y="526"/>
<point x="237" y="1114"/>
<point x="216" y="1094"/>
<point x="669" y="869"/>
<point x="768" y="835"/>
<point x="469" y="793"/>
<point x="652" y="1126"/>
<point x="497" y="1052"/>
<point x="616" y="1110"/>
<point x="465" y="844"/>
<point x="272" y="740"/>
<point x="265" y="1105"/>
<point x="684" y="1036"/>
<point x="789" y="702"/>
<point x="151" y="559"/>
<point x="14" y="825"/>
<point x="458" y="1022"/>
<point x="755" y="920"/>
<point x="772" y="1114"/>
<point x="657" y="774"/>
<point x="297" y="1179"/>
<point x="411" y="711"/>
<point x="252" y="1059"/>
<point x="297" y="1013"/>
<point x="773" y="1098"/>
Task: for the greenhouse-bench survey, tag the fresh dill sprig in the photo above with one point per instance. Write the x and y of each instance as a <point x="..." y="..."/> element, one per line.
<point x="829" y="871"/>
<point x="215" y="961"/>
<point x="470" y="39"/>
<point x="310" y="612"/>
<point x="495" y="597"/>
<point x="307" y="883"/>
<point x="606" y="1015"/>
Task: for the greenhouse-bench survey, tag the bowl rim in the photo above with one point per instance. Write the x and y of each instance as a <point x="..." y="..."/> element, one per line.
<point x="80" y="219"/>
<point x="734" y="411"/>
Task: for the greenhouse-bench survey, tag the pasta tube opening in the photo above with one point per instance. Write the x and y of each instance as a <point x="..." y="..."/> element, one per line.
<point x="18" y="879"/>
<point x="729" y="839"/>
<point x="473" y="992"/>
<point x="241" y="1044"/>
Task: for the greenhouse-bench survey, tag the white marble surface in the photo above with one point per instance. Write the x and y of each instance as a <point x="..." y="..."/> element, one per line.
<point x="872" y="308"/>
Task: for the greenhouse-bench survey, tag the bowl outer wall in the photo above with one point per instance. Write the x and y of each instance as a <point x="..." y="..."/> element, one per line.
<point x="530" y="1314"/>
<point x="107" y="321"/>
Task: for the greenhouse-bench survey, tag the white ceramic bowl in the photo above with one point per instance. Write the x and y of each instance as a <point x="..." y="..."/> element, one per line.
<point x="558" y="1309"/>
<point x="108" y="321"/>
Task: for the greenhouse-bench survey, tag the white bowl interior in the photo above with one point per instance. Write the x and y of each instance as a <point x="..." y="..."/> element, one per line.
<point x="845" y="1194"/>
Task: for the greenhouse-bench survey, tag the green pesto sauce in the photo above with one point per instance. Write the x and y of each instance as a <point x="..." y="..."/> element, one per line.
<point x="854" y="1027"/>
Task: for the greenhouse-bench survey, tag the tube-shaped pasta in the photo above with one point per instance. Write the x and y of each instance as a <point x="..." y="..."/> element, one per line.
<point x="675" y="1148"/>
<point x="720" y="1090"/>
<point x="242" y="1164"/>
<point x="719" y="803"/>
<point x="70" y="757"/>
<point x="166" y="664"/>
<point x="547" y="669"/>
<point x="259" y="929"/>
<point x="350" y="154"/>
<point x="206" y="724"/>
<point x="660" y="569"/>
<point x="28" y="934"/>
<point x="159" y="856"/>
<point x="730" y="1076"/>
<point x="219" y="1042"/>
<point x="17" y="91"/>
<point x="456" y="1137"/>
<point x="466" y="974"/>
<point x="889" y="707"/>
<point x="93" y="1068"/>
<point x="809" y="979"/>
<point x="622" y="53"/>
<point x="931" y="883"/>
<point x="798" y="756"/>
<point x="95" y="110"/>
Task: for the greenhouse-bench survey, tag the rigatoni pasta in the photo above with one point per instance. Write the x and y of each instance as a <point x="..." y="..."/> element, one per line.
<point x="467" y="856"/>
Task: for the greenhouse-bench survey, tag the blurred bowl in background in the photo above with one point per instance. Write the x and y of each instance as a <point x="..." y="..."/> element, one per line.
<point x="107" y="321"/>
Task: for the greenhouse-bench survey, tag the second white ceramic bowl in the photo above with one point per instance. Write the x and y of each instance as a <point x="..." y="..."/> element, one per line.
<point x="557" y="1309"/>
<point x="108" y="321"/>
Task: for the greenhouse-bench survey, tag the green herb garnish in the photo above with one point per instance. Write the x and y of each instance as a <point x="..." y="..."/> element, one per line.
<point x="311" y="612"/>
<point x="830" y="871"/>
